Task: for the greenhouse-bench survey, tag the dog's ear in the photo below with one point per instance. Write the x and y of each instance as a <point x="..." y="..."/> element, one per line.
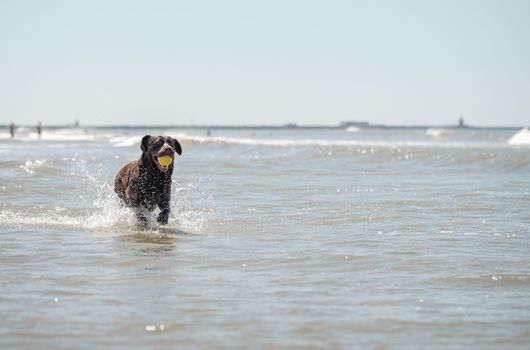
<point x="145" y="143"/>
<point x="176" y="146"/>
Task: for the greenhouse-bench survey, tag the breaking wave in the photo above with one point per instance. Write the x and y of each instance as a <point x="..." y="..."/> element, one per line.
<point x="437" y="134"/>
<point x="67" y="134"/>
<point x="436" y="138"/>
<point x="188" y="138"/>
<point x="522" y="137"/>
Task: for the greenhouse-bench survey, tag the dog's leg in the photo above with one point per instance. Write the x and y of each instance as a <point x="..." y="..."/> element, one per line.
<point x="163" y="216"/>
<point x="163" y="204"/>
<point x="142" y="219"/>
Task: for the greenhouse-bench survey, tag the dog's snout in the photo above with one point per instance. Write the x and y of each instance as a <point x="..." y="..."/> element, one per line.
<point x="167" y="148"/>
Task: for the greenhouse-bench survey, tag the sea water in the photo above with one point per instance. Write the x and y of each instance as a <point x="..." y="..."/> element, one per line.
<point x="278" y="238"/>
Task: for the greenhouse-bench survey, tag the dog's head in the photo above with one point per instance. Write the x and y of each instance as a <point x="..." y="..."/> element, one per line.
<point x="157" y="148"/>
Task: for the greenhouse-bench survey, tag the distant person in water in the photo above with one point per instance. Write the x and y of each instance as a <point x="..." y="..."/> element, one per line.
<point x="12" y="130"/>
<point x="39" y="129"/>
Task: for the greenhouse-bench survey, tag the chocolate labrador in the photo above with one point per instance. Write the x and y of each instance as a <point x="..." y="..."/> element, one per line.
<point x="146" y="182"/>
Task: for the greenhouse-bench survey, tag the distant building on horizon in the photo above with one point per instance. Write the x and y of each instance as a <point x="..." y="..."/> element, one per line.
<point x="461" y="123"/>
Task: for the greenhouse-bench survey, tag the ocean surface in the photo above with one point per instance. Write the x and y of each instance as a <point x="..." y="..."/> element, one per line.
<point x="278" y="239"/>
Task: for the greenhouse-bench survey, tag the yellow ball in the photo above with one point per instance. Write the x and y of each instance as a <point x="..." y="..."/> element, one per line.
<point x="165" y="160"/>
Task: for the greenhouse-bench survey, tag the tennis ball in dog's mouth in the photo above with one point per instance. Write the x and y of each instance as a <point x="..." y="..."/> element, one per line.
<point x="165" y="160"/>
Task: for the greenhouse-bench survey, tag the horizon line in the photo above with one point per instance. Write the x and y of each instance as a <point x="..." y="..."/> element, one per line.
<point x="342" y="125"/>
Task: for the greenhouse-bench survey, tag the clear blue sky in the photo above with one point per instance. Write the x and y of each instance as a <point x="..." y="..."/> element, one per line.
<point x="265" y="62"/>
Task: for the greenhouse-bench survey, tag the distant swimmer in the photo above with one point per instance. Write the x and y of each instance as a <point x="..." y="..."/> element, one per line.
<point x="12" y="130"/>
<point x="39" y="129"/>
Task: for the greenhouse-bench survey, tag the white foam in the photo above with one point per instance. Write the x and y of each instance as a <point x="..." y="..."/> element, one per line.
<point x="67" y="134"/>
<point x="325" y="143"/>
<point x="437" y="134"/>
<point x="353" y="129"/>
<point x="125" y="141"/>
<point x="64" y="218"/>
<point x="265" y="142"/>
<point x="30" y="165"/>
<point x="522" y="137"/>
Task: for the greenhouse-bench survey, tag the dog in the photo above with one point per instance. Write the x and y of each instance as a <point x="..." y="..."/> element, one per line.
<point x="146" y="183"/>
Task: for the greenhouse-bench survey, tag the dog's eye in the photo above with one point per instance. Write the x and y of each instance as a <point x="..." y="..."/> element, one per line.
<point x="159" y="142"/>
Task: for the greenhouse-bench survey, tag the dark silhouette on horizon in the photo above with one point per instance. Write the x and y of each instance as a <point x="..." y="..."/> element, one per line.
<point x="39" y="129"/>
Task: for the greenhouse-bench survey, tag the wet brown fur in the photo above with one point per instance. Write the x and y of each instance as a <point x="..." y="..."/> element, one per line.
<point x="144" y="184"/>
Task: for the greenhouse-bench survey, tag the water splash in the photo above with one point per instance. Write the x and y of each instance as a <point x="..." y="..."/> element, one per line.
<point x="93" y="206"/>
<point x="190" y="205"/>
